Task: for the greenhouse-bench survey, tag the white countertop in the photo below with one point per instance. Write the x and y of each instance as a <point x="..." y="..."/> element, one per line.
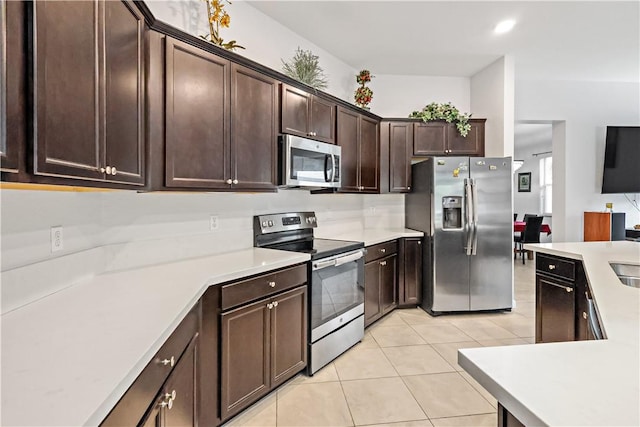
<point x="68" y="358"/>
<point x="582" y="383"/>
<point x="370" y="236"/>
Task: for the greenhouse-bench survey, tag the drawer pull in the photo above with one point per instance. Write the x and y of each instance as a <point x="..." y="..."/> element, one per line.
<point x="383" y="263"/>
<point x="568" y="289"/>
<point x="169" y="398"/>
<point x="383" y="250"/>
<point x="584" y="315"/>
<point x="275" y="303"/>
<point x="171" y="362"/>
<point x="272" y="284"/>
<point x="269" y="306"/>
<point x="552" y="267"/>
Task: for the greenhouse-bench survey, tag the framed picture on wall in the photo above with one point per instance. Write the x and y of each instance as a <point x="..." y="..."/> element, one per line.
<point x="524" y="182"/>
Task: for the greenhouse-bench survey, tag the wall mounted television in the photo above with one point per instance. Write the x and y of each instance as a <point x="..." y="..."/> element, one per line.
<point x="622" y="160"/>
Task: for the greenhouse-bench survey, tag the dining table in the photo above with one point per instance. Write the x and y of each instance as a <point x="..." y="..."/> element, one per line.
<point x="518" y="226"/>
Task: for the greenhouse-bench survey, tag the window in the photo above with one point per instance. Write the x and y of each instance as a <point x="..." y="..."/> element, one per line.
<point x="546" y="181"/>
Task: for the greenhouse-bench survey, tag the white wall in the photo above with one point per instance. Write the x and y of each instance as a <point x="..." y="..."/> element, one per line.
<point x="265" y="40"/>
<point x="492" y="97"/>
<point x="109" y="231"/>
<point x="397" y="96"/>
<point x="587" y="108"/>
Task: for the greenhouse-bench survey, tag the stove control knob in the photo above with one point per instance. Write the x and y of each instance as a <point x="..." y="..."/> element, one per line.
<point x="264" y="224"/>
<point x="270" y="223"/>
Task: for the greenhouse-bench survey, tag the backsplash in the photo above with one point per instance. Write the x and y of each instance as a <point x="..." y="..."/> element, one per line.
<point x="108" y="231"/>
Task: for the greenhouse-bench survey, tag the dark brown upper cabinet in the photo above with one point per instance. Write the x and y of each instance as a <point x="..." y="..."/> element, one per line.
<point x="12" y="85"/>
<point x="88" y="90"/>
<point x="358" y="136"/>
<point x="307" y="115"/>
<point x="396" y="148"/>
<point x="439" y="138"/>
<point x="221" y="122"/>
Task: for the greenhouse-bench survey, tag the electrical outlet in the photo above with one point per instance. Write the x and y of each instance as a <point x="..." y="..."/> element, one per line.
<point x="57" y="240"/>
<point x="213" y="222"/>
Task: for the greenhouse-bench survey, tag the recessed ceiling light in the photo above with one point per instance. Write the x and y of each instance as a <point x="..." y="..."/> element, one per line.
<point x="504" y="26"/>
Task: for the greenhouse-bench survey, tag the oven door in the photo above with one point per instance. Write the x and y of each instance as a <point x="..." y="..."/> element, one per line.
<point x="308" y="163"/>
<point x="337" y="292"/>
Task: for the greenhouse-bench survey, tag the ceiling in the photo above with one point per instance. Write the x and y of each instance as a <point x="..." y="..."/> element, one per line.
<point x="572" y="40"/>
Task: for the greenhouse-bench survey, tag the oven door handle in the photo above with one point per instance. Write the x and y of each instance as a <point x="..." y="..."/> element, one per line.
<point x="334" y="262"/>
<point x="348" y="258"/>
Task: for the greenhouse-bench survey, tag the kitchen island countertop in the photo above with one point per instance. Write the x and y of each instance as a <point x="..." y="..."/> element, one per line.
<point x="585" y="383"/>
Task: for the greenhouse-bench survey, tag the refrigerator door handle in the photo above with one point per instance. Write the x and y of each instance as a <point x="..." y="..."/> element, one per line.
<point x="474" y="195"/>
<point x="468" y="226"/>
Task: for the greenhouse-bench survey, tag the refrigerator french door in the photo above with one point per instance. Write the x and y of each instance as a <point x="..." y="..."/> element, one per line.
<point x="464" y="205"/>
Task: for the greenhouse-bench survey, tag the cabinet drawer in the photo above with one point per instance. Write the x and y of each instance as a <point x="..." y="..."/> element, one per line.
<point x="381" y="250"/>
<point x="135" y="402"/>
<point x="555" y="266"/>
<point x="262" y="286"/>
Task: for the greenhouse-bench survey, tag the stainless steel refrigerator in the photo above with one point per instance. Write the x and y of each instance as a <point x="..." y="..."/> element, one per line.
<point x="463" y="205"/>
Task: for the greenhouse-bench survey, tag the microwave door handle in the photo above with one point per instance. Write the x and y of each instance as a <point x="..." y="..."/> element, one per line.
<point x="333" y="168"/>
<point x="326" y="159"/>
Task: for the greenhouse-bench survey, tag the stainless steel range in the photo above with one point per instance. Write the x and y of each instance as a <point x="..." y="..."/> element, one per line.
<point x="335" y="277"/>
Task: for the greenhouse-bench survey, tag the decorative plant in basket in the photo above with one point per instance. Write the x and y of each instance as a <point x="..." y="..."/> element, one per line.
<point x="363" y="94"/>
<point x="305" y="67"/>
<point x="446" y="112"/>
<point x="218" y="17"/>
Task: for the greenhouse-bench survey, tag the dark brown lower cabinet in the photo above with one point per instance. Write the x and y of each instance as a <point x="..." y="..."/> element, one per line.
<point x="263" y="344"/>
<point x="410" y="272"/>
<point x="175" y="405"/>
<point x="165" y="393"/>
<point x="380" y="282"/>
<point x="555" y="310"/>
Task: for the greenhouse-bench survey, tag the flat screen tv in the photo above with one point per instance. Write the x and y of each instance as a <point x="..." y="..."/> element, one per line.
<point x="622" y="160"/>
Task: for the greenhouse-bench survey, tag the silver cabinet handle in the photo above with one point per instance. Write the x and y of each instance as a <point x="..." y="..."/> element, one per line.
<point x="552" y="267"/>
<point x="269" y="306"/>
<point x="108" y="170"/>
<point x="584" y="315"/>
<point x="235" y="181"/>
<point x="383" y="250"/>
<point x="419" y="242"/>
<point x="171" y="395"/>
<point x="171" y="362"/>
<point x="275" y="303"/>
<point x="568" y="289"/>
<point x="383" y="263"/>
<point x="229" y="181"/>
<point x="272" y="284"/>
<point x="408" y="188"/>
<point x="113" y="170"/>
<point x="102" y="170"/>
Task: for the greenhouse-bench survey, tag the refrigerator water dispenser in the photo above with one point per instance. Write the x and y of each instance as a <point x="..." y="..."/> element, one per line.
<point x="451" y="213"/>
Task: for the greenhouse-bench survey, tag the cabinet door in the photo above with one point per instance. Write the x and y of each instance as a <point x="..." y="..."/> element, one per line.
<point x="372" y="309"/>
<point x="67" y="125"/>
<point x="154" y="417"/>
<point x="400" y="149"/>
<point x="197" y="118"/>
<point x="388" y="283"/>
<point x="347" y="138"/>
<point x="182" y="384"/>
<point x="472" y="144"/>
<point x="555" y="310"/>
<point x="245" y="356"/>
<point x="410" y="287"/>
<point x="288" y="335"/>
<point x="12" y="85"/>
<point x="208" y="363"/>
<point x="295" y="111"/>
<point x="369" y="155"/>
<point x="429" y="139"/>
<point x="124" y="68"/>
<point x="323" y="120"/>
<point x="254" y="132"/>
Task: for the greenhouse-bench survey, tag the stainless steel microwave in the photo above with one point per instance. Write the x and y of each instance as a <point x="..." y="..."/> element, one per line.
<point x="308" y="163"/>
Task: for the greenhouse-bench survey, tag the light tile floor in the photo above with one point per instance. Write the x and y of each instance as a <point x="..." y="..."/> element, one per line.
<point x="404" y="372"/>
